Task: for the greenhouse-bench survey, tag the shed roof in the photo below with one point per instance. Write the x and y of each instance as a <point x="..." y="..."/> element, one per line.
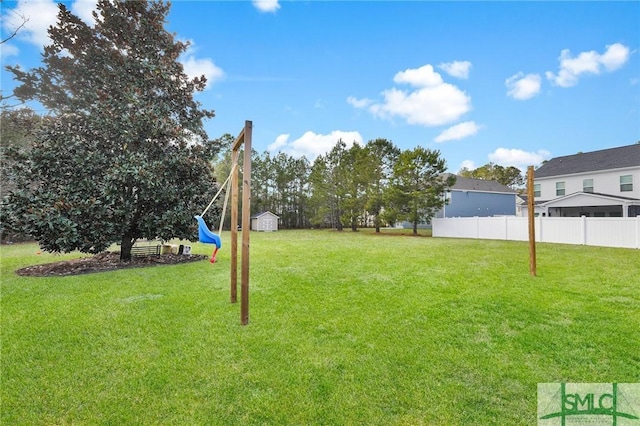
<point x="257" y="215"/>
<point x="482" y="185"/>
<point x="605" y="159"/>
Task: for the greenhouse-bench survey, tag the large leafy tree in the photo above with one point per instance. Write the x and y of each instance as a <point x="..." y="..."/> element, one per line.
<point x="510" y="176"/>
<point x="418" y="184"/>
<point x="17" y="130"/>
<point x="126" y="156"/>
<point x="17" y="127"/>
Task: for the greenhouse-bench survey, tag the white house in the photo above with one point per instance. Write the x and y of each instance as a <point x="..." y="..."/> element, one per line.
<point x="603" y="183"/>
<point x="264" y="221"/>
<point x="522" y="207"/>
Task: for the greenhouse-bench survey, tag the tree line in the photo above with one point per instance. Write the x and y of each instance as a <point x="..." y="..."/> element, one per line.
<point x="123" y="155"/>
<point x="354" y="186"/>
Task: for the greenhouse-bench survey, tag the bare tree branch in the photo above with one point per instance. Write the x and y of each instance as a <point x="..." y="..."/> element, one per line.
<point x="18" y="28"/>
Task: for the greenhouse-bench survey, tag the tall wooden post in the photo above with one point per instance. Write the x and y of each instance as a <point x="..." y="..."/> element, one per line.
<point x="244" y="138"/>
<point x="532" y="229"/>
<point x="234" y="228"/>
<point x="246" y="223"/>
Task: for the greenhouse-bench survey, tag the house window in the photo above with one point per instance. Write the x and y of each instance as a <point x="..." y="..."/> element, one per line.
<point x="559" y="188"/>
<point x="587" y="185"/>
<point x="536" y="190"/>
<point x="626" y="183"/>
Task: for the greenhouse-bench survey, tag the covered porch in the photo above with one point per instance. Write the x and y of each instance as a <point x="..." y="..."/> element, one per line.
<point x="592" y="205"/>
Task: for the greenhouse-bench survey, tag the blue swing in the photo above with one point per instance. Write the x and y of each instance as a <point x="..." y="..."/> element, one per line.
<point x="205" y="235"/>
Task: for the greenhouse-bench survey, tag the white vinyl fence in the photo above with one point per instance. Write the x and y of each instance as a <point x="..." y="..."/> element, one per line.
<point x="592" y="231"/>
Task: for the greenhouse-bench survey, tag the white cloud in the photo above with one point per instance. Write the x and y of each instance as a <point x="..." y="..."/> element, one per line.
<point x="518" y="157"/>
<point x="8" y="50"/>
<point x="279" y="142"/>
<point x="590" y="62"/>
<point x="420" y="77"/>
<point x="83" y="9"/>
<point x="458" y="69"/>
<point x="523" y="87"/>
<point x="313" y="144"/>
<point x="459" y="131"/>
<point x="432" y="103"/>
<point x="467" y="164"/>
<point x="615" y="56"/>
<point x="40" y="15"/>
<point x="359" y="103"/>
<point x="429" y="106"/>
<point x="266" y="5"/>
<point x="195" y="67"/>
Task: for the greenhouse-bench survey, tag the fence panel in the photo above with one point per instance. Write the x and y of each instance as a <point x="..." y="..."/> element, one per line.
<point x="607" y="232"/>
<point x="495" y="229"/>
<point x="463" y="227"/>
<point x="612" y="232"/>
<point x="565" y="230"/>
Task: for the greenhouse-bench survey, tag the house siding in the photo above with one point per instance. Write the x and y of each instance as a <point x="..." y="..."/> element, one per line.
<point x="481" y="204"/>
<point x="604" y="182"/>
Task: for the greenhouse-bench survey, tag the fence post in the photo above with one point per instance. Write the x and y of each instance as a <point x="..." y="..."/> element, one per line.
<point x="583" y="230"/>
<point x="532" y="231"/>
<point x="539" y="228"/>
<point x="638" y="232"/>
<point x="506" y="228"/>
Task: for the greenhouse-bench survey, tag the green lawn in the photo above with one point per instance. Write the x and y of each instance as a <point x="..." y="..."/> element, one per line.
<point x="345" y="329"/>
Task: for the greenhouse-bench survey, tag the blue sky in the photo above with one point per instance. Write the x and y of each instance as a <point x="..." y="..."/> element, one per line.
<point x="514" y="83"/>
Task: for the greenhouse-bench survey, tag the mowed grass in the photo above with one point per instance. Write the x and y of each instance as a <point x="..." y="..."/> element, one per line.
<point x="345" y="329"/>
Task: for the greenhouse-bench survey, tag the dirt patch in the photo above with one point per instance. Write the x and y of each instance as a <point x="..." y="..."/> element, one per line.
<point x="102" y="262"/>
<point x="400" y="234"/>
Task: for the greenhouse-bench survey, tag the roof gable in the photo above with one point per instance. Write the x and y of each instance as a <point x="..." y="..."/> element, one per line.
<point x="588" y="199"/>
<point x="606" y="159"/>
<point x="268" y="213"/>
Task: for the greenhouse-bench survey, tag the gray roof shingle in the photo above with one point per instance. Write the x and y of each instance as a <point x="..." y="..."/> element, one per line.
<point x="606" y="159"/>
<point x="469" y="184"/>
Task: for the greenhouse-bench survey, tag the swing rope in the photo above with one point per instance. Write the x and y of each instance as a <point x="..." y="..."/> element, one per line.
<point x="224" y="205"/>
<point x="222" y="187"/>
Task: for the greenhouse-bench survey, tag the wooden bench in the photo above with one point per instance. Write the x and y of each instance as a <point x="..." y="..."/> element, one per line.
<point x="145" y="250"/>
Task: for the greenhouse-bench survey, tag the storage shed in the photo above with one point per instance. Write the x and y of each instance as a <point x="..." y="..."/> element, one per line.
<point x="265" y="221"/>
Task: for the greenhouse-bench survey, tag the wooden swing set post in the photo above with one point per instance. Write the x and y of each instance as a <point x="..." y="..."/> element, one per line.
<point x="532" y="228"/>
<point x="244" y="138"/>
<point x="234" y="231"/>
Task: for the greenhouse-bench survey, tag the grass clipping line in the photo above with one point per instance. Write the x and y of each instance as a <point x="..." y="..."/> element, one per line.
<point x="102" y="262"/>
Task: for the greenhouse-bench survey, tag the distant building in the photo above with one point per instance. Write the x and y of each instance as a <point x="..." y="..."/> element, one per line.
<point x="478" y="197"/>
<point x="264" y="221"/>
<point x="604" y="183"/>
<point x="474" y="197"/>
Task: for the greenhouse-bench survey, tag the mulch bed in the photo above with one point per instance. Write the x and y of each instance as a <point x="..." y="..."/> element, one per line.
<point x="101" y="262"/>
